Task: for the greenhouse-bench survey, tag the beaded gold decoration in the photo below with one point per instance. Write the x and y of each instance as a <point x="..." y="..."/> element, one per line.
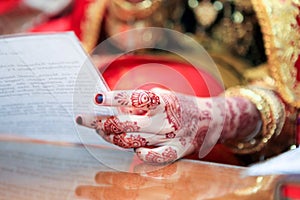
<point x="281" y="37"/>
<point x="127" y="11"/>
<point x="272" y="112"/>
<point x="123" y="10"/>
<point x="91" y="25"/>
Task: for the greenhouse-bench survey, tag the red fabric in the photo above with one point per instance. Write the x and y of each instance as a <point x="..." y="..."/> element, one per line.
<point x="61" y="24"/>
<point x="297" y="65"/>
<point x="78" y="15"/>
<point x="298" y="18"/>
<point x="291" y="191"/>
<point x="71" y="22"/>
<point x="131" y="72"/>
<point x="8" y="5"/>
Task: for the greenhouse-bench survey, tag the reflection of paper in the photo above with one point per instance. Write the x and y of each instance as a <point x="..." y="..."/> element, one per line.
<point x="286" y="163"/>
<point x="41" y="171"/>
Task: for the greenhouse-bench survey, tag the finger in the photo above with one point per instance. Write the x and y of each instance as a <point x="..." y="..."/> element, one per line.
<point x="159" y="90"/>
<point x="133" y="111"/>
<point x="113" y="124"/>
<point x="136" y="111"/>
<point x="158" y="155"/>
<point x="121" y="138"/>
<point x="139" y="99"/>
<point x="135" y="140"/>
<point x="157" y="124"/>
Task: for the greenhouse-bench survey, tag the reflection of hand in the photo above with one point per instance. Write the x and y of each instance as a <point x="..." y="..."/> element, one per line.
<point x="180" y="180"/>
<point x="175" y="124"/>
<point x="123" y="185"/>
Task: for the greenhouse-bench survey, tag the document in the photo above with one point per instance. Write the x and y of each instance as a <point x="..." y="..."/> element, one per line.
<point x="45" y="80"/>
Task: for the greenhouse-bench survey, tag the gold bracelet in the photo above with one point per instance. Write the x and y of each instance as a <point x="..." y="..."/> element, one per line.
<point x="272" y="113"/>
<point x="276" y="105"/>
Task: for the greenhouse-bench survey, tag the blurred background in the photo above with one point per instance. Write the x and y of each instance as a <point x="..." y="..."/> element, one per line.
<point x="228" y="29"/>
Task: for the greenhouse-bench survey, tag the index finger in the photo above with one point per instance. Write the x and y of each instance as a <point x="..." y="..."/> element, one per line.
<point x="137" y="99"/>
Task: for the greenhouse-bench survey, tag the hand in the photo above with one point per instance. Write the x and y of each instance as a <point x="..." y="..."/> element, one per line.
<point x="174" y="124"/>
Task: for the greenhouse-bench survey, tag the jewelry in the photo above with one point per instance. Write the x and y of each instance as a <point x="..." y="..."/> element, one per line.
<point x="128" y="11"/>
<point x="272" y="112"/>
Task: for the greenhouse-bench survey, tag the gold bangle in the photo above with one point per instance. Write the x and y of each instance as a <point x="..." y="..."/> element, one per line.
<point x="272" y="115"/>
<point x="276" y="105"/>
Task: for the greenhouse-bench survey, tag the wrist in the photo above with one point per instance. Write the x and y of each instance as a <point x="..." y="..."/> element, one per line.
<point x="272" y="115"/>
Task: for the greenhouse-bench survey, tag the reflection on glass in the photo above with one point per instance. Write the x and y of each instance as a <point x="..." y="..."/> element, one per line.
<point x="181" y="180"/>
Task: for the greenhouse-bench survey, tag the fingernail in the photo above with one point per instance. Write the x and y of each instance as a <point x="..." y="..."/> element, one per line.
<point x="79" y="120"/>
<point x="99" y="98"/>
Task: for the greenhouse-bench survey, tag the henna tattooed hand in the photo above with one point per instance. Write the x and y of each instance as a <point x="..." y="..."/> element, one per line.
<point x="160" y="125"/>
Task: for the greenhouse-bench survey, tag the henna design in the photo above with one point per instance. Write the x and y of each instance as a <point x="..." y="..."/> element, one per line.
<point x="200" y="136"/>
<point x="229" y="115"/>
<point x="245" y="118"/>
<point x="130" y="126"/>
<point x="208" y="104"/>
<point x="205" y="115"/>
<point x="193" y="126"/>
<point x="129" y="142"/>
<point x="242" y="105"/>
<point x="167" y="155"/>
<point x="145" y="99"/>
<point x="232" y="114"/>
<point x="122" y="98"/>
<point x="170" y="135"/>
<point x="239" y="119"/>
<point x="97" y="125"/>
<point x="193" y="119"/>
<point x="113" y="126"/>
<point x="242" y="112"/>
<point x="182" y="141"/>
<point x="173" y="110"/>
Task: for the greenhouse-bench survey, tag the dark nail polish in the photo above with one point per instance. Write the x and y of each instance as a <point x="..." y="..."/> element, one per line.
<point x="99" y="98"/>
<point x="79" y="120"/>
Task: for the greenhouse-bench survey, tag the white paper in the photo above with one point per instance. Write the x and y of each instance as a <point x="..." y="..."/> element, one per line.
<point x="38" y="85"/>
<point x="286" y="163"/>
